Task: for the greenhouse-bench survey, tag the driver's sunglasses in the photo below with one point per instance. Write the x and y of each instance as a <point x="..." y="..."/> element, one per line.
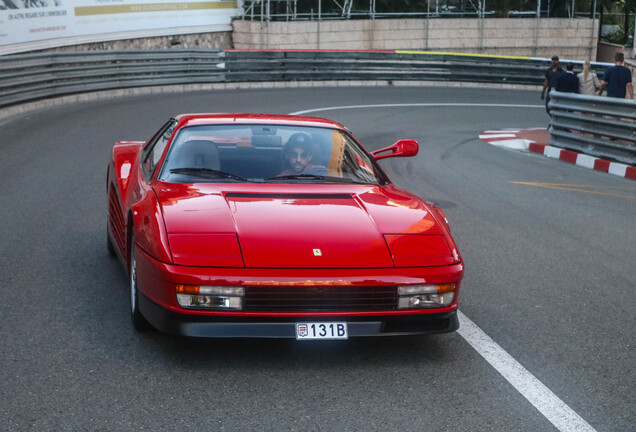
<point x="298" y="154"/>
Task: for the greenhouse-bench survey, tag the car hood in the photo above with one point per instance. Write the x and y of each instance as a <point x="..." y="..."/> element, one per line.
<point x="368" y="227"/>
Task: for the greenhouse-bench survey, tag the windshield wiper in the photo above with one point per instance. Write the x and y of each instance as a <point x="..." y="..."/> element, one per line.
<point x="302" y="177"/>
<point x="330" y="179"/>
<point x="207" y="173"/>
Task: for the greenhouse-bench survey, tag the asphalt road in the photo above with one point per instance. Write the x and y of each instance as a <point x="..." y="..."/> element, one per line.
<point x="550" y="277"/>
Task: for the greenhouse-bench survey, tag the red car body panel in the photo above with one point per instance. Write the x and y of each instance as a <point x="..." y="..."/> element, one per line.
<point x="271" y="237"/>
<point x="263" y="235"/>
<point x="162" y="277"/>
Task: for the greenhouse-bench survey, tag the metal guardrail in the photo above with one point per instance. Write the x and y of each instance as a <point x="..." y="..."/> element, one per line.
<point x="30" y="77"/>
<point x="595" y="125"/>
<point x="378" y="65"/>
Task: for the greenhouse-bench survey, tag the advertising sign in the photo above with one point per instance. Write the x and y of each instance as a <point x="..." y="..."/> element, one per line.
<point x="29" y="21"/>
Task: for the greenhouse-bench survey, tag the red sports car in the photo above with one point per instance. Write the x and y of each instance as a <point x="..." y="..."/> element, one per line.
<point x="250" y="225"/>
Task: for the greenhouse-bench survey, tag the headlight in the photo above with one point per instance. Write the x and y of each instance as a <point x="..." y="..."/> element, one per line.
<point x="210" y="297"/>
<point x="425" y="296"/>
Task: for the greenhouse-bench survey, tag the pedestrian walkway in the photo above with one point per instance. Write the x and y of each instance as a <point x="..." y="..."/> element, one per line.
<point x="537" y="140"/>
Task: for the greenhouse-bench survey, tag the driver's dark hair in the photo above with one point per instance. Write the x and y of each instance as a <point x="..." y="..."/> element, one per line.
<point x="301" y="140"/>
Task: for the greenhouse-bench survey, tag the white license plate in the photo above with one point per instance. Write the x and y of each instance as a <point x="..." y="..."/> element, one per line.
<point x="321" y="330"/>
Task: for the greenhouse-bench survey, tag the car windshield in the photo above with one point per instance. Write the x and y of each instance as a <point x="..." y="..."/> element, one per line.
<point x="267" y="154"/>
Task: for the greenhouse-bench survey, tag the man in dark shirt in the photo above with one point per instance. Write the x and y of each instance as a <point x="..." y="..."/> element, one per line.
<point x="568" y="82"/>
<point x="550" y="80"/>
<point x="617" y="79"/>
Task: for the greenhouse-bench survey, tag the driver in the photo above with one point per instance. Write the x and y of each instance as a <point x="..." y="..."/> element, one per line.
<point x="298" y="152"/>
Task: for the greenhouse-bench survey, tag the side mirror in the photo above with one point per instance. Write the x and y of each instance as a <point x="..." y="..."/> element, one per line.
<point x="402" y="148"/>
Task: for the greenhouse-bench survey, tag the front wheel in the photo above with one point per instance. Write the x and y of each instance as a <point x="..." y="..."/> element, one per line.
<point x="138" y="320"/>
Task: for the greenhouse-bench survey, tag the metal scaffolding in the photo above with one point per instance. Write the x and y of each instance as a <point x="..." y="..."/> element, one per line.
<point x="287" y="10"/>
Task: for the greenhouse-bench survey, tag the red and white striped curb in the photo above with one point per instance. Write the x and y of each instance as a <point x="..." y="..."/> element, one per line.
<point x="508" y="138"/>
<point x="535" y="140"/>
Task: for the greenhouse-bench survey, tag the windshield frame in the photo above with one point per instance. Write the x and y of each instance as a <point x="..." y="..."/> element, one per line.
<point x="380" y="177"/>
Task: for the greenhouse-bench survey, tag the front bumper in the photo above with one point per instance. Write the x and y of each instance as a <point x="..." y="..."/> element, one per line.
<point x="285" y="327"/>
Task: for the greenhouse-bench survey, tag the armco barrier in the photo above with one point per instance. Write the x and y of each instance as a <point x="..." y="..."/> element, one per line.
<point x="32" y="77"/>
<point x="598" y="126"/>
<point x="379" y="65"/>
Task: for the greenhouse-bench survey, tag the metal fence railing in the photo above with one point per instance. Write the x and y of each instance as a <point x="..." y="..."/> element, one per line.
<point x="30" y="77"/>
<point x="380" y="65"/>
<point x="598" y="126"/>
<point x="595" y="125"/>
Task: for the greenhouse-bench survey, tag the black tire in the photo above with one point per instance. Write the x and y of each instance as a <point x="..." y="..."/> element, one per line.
<point x="139" y="321"/>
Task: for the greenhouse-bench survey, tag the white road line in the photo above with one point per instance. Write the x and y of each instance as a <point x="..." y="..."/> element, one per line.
<point x="416" y="105"/>
<point x="541" y="397"/>
<point x="499" y="135"/>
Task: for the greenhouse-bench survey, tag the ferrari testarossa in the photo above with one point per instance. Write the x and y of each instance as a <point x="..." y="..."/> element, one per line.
<point x="252" y="225"/>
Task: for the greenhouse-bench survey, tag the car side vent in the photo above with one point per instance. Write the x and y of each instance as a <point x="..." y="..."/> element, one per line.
<point x="116" y="219"/>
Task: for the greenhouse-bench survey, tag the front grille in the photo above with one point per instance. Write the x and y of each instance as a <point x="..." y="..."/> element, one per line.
<point x="320" y="298"/>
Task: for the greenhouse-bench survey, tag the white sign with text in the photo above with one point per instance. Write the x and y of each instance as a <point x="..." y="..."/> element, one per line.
<point x="24" y="21"/>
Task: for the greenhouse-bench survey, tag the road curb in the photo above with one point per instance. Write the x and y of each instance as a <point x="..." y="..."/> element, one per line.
<point x="537" y="141"/>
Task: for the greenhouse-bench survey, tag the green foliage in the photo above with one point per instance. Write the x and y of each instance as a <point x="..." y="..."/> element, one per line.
<point x="615" y="38"/>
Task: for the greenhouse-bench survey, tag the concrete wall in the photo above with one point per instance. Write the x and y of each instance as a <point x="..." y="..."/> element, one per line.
<point x="217" y="40"/>
<point x="568" y="38"/>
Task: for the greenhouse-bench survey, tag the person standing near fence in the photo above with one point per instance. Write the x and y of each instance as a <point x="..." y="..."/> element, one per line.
<point x="617" y="79"/>
<point x="567" y="82"/>
<point x="588" y="80"/>
<point x="551" y="76"/>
